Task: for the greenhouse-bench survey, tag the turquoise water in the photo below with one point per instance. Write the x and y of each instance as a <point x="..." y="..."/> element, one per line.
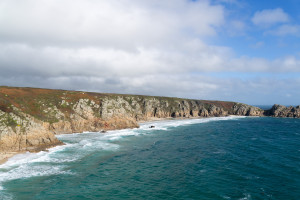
<point x="209" y="159"/>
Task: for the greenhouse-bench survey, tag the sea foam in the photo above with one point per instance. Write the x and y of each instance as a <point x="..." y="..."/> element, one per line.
<point x="163" y="125"/>
<point x="79" y="145"/>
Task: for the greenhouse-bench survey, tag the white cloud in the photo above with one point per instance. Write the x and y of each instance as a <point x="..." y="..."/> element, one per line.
<point x="238" y="25"/>
<point x="258" y="45"/>
<point x="227" y="1"/>
<point x="125" y="46"/>
<point x="193" y="57"/>
<point x="270" y="17"/>
<point x="236" y="28"/>
<point x="115" y="23"/>
<point x="285" y="30"/>
<point x="262" y="90"/>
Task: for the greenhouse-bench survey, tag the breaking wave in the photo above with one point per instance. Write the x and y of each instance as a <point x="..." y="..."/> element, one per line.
<point x="79" y="145"/>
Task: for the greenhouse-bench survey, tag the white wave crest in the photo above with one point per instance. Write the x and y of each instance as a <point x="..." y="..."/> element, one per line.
<point x="164" y="125"/>
<point x="54" y="161"/>
<point x="30" y="170"/>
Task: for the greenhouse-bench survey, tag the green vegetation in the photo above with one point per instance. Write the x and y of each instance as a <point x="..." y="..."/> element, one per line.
<point x="7" y="120"/>
<point x="11" y="122"/>
<point x="46" y="104"/>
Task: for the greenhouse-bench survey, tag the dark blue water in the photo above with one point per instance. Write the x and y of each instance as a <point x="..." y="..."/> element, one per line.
<point x="207" y="159"/>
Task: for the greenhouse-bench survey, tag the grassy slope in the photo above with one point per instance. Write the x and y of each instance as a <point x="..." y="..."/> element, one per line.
<point x="34" y="101"/>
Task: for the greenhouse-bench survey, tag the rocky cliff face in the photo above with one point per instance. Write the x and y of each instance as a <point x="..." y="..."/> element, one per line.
<point x="246" y="110"/>
<point x="21" y="132"/>
<point x="30" y="118"/>
<point x="283" y="111"/>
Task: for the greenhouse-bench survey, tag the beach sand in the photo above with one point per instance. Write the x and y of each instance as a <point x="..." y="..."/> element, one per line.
<point x="4" y="156"/>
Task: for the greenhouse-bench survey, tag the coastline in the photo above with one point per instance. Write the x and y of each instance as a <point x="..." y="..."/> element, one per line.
<point x="154" y="119"/>
<point x="33" y="123"/>
<point x="5" y="156"/>
<point x="128" y="152"/>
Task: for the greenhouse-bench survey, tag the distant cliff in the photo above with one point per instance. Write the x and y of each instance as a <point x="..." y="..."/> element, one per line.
<point x="30" y="118"/>
<point x="283" y="111"/>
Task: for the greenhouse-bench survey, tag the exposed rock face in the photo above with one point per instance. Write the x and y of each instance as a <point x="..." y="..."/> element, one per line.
<point x="246" y="110"/>
<point x="283" y="111"/>
<point x="24" y="133"/>
<point x="30" y="118"/>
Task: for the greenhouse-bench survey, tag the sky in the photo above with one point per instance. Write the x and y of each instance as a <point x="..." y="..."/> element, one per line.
<point x="232" y="50"/>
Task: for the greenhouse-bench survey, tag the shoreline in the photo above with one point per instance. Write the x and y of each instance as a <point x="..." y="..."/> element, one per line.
<point x="155" y="119"/>
<point x="5" y="156"/>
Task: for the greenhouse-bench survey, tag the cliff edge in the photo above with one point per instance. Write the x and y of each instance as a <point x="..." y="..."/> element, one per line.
<point x="31" y="117"/>
<point x="283" y="111"/>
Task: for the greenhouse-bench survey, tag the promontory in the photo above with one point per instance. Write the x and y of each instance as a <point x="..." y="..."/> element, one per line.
<point x="31" y="117"/>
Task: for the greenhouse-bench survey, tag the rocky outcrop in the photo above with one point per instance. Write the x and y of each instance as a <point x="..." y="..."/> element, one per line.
<point x="30" y="118"/>
<point x="24" y="133"/>
<point x="283" y="111"/>
<point x="246" y="110"/>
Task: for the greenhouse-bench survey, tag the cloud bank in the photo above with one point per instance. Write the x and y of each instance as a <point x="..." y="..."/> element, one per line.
<point x="133" y="46"/>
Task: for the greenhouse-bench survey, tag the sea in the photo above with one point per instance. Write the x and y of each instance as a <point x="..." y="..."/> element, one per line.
<point x="222" y="158"/>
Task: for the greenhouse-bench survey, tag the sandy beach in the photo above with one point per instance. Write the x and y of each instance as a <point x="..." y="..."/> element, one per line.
<point x="4" y="156"/>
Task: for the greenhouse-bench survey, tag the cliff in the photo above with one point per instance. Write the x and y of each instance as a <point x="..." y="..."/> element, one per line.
<point x="283" y="111"/>
<point x="30" y="118"/>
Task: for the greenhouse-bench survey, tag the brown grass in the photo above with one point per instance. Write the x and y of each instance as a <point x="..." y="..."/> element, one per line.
<point x="27" y="99"/>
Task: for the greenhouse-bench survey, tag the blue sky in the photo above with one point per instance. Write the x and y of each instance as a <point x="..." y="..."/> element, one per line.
<point x="233" y="50"/>
<point x="253" y="40"/>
